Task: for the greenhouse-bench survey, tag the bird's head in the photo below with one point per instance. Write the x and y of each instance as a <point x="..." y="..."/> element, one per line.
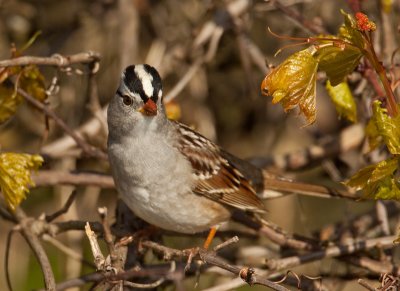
<point x="138" y="98"/>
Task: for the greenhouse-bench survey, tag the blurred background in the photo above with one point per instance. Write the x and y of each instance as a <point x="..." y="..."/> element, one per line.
<point x="212" y="56"/>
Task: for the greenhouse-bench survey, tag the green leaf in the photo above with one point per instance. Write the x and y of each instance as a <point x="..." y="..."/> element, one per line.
<point x="378" y="180"/>
<point x="337" y="62"/>
<point x="9" y="102"/>
<point x="15" y="175"/>
<point x="293" y="83"/>
<point x="343" y="99"/>
<point x="349" y="31"/>
<point x="372" y="133"/>
<point x="387" y="127"/>
<point x="29" y="78"/>
<point x="32" y="81"/>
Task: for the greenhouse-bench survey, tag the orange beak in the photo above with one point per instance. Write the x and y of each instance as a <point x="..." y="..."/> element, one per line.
<point x="149" y="108"/>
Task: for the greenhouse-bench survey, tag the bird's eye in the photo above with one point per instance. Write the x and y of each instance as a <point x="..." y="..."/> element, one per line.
<point x="127" y="100"/>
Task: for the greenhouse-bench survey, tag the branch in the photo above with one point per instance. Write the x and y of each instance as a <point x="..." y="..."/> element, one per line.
<point x="247" y="274"/>
<point x="87" y="148"/>
<point x="55" y="60"/>
<point x="37" y="248"/>
<point x="51" y="178"/>
<point x="329" y="252"/>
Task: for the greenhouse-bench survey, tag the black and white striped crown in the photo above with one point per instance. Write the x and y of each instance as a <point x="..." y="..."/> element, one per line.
<point x="143" y="80"/>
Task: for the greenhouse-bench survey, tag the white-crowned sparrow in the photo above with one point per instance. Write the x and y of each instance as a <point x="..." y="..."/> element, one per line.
<point x="170" y="175"/>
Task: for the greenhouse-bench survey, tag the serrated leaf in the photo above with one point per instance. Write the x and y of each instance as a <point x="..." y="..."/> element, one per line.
<point x="343" y="99"/>
<point x="293" y="83"/>
<point x="377" y="181"/>
<point x="15" y="175"/>
<point x="337" y="62"/>
<point x="387" y="127"/>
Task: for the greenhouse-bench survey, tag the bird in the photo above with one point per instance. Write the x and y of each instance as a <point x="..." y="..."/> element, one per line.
<point x="167" y="173"/>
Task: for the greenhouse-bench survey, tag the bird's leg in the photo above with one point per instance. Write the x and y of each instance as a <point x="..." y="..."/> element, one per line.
<point x="194" y="251"/>
<point x="210" y="237"/>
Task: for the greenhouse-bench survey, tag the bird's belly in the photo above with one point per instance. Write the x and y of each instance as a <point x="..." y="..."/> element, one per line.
<point x="185" y="212"/>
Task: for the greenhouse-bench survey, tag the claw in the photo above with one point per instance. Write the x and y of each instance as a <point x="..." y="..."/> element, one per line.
<point x="192" y="253"/>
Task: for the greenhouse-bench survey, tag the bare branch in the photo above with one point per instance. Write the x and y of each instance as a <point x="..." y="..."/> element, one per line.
<point x="87" y="149"/>
<point x="332" y="251"/>
<point x="55" y="60"/>
<point x="37" y="248"/>
<point x="50" y="178"/>
<point x="64" y="209"/>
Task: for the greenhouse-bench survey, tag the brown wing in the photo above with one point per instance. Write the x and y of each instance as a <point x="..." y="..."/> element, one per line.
<point x="217" y="178"/>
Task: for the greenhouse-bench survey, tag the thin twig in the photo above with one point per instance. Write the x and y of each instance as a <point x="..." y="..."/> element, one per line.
<point x="365" y="285"/>
<point x="298" y="18"/>
<point x="64" y="209"/>
<point x="7" y="259"/>
<point x="332" y="251"/>
<point x="226" y="243"/>
<point x="87" y="148"/>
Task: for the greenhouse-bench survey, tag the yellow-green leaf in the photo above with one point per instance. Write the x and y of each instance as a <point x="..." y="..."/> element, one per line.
<point x="293" y="83"/>
<point x="372" y="133"/>
<point x="343" y="99"/>
<point x="387" y="127"/>
<point x="337" y="62"/>
<point x="32" y="81"/>
<point x="349" y="32"/>
<point x="15" y="175"/>
<point x="9" y="102"/>
<point x="377" y="181"/>
<point x="385" y="189"/>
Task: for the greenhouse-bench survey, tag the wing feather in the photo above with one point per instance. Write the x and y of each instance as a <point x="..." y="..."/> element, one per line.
<point x="216" y="178"/>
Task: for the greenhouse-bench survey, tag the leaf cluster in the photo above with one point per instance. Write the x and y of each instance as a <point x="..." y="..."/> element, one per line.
<point x="15" y="168"/>
<point x="29" y="78"/>
<point x="293" y="84"/>
<point x="337" y="56"/>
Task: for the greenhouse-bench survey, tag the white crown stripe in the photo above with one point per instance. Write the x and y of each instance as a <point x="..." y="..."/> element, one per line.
<point x="146" y="80"/>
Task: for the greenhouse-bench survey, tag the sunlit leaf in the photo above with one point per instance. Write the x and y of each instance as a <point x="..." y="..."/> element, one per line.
<point x="337" y="62"/>
<point x="372" y="133"/>
<point x="15" y="175"/>
<point x="387" y="127"/>
<point x="386" y="189"/>
<point x="293" y="83"/>
<point x="377" y="181"/>
<point x="343" y="99"/>
<point x="349" y="31"/>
